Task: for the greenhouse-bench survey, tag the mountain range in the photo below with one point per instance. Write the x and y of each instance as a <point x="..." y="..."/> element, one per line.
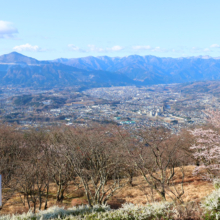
<point x="17" y="69"/>
<point x="151" y="69"/>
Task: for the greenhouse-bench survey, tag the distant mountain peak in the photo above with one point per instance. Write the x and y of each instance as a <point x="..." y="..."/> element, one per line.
<point x="16" y="58"/>
<point x="15" y="53"/>
<point x="16" y="68"/>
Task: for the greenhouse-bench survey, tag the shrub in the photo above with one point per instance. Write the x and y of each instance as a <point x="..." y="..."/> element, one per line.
<point x="57" y="213"/>
<point x="127" y="212"/>
<point x="211" y="204"/>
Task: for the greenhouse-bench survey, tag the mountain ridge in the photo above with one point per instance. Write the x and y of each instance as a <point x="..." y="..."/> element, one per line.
<point x="17" y="58"/>
<point x="17" y="69"/>
<point x="151" y="69"/>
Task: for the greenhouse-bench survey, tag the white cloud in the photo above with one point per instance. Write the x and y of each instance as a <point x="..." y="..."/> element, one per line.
<point x="207" y="50"/>
<point x="28" y="47"/>
<point x="142" y="47"/>
<point x="75" y="48"/>
<point x="149" y="48"/>
<point x="200" y="50"/>
<point x="93" y="48"/>
<point x="158" y="49"/>
<point x="196" y="49"/>
<point x="215" y="46"/>
<point x="115" y="48"/>
<point x="7" y="29"/>
<point x="108" y="49"/>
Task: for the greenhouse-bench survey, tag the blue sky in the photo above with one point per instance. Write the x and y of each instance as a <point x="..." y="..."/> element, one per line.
<point x="49" y="29"/>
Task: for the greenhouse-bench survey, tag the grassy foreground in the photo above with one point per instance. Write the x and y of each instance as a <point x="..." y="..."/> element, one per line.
<point x="201" y="201"/>
<point x="128" y="211"/>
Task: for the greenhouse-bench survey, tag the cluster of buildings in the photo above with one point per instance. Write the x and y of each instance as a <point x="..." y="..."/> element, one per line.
<point x="158" y="105"/>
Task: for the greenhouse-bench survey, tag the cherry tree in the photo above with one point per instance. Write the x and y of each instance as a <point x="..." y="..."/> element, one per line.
<point x="207" y="146"/>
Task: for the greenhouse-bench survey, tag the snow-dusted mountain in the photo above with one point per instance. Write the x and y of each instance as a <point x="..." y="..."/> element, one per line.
<point x="17" y="69"/>
<point x="151" y="69"/>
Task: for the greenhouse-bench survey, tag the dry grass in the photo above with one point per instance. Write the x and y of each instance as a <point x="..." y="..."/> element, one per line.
<point x="195" y="189"/>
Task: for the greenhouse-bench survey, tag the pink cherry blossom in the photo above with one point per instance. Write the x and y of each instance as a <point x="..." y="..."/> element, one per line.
<point x="207" y="146"/>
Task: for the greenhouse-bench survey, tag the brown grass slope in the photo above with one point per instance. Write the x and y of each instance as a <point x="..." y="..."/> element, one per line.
<point x="195" y="190"/>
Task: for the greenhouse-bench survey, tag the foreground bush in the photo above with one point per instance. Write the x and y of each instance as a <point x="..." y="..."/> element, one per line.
<point x="132" y="212"/>
<point x="57" y="213"/>
<point x="211" y="204"/>
<point x="128" y="211"/>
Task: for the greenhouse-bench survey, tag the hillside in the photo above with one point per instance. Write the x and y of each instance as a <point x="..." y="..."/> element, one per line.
<point x="207" y="87"/>
<point x="152" y="69"/>
<point x="17" y="58"/>
<point x="19" y="70"/>
<point x="195" y="190"/>
<point x="101" y="165"/>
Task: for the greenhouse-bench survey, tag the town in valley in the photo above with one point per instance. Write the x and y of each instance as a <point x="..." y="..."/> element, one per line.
<point x="169" y="105"/>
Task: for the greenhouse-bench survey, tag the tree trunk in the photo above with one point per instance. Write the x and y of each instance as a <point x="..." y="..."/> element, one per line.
<point x="163" y="195"/>
<point x="45" y="206"/>
<point x="60" y="194"/>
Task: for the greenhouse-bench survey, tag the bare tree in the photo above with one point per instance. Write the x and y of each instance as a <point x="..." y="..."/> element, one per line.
<point x="62" y="172"/>
<point x="10" y="153"/>
<point x="33" y="172"/>
<point x="95" y="157"/>
<point x="154" y="153"/>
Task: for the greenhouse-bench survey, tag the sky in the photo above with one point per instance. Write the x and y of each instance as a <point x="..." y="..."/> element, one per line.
<point x="50" y="29"/>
